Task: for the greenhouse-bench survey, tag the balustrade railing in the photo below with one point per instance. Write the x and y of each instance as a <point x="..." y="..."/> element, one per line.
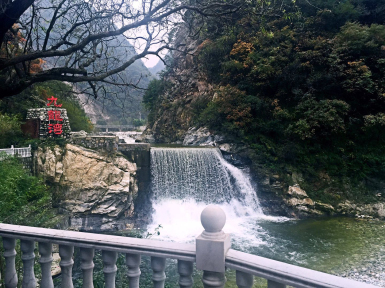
<point x="212" y="254"/>
<point x="21" y="152"/>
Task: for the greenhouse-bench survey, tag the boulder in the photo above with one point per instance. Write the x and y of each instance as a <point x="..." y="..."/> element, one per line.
<point x="89" y="182"/>
<point x="297" y="192"/>
<point x="300" y="202"/>
<point x="324" y="207"/>
<point x="198" y="137"/>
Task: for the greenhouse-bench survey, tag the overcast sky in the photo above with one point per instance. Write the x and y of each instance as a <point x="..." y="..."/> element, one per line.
<point x="150" y="60"/>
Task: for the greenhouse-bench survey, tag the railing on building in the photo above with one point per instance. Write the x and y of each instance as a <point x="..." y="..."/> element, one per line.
<point x="20" y="152"/>
<point x="212" y="254"/>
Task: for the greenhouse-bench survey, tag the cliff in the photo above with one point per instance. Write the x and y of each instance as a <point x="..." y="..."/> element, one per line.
<point x="187" y="87"/>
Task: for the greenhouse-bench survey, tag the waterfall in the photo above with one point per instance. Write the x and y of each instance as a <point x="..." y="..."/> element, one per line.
<point x="185" y="180"/>
<point x="200" y="174"/>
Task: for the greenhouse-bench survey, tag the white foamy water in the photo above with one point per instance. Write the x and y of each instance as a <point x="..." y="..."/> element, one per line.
<point x="127" y="136"/>
<point x="186" y="180"/>
<point x="180" y="221"/>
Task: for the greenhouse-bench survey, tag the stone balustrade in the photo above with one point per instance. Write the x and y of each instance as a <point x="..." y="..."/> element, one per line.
<point x="19" y="152"/>
<point x="211" y="253"/>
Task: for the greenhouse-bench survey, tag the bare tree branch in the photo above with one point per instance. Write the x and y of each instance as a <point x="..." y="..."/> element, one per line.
<point x="80" y="41"/>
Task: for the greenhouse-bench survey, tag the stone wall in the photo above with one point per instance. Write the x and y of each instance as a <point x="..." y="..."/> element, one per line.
<point x="139" y="153"/>
<point x="102" y="143"/>
<point x="42" y="115"/>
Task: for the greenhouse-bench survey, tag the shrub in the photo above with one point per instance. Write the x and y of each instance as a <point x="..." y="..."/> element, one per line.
<point x="17" y="188"/>
<point x="10" y="131"/>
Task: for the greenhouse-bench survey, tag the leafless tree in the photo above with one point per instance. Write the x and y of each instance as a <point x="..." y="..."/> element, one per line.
<point x="86" y="41"/>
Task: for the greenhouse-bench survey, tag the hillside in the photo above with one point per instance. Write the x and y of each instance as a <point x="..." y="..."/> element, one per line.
<point x="157" y="68"/>
<point x="303" y="91"/>
<point x="124" y="104"/>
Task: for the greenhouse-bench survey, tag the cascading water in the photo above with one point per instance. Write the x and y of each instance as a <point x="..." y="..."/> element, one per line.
<point x="185" y="180"/>
<point x="201" y="174"/>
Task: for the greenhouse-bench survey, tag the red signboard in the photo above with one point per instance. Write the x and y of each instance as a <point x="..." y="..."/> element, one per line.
<point x="54" y="115"/>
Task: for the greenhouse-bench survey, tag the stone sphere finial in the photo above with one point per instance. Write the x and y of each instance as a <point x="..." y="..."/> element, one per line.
<point x="213" y="219"/>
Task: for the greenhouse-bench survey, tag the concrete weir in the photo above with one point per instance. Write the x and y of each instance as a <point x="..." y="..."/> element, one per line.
<point x="138" y="153"/>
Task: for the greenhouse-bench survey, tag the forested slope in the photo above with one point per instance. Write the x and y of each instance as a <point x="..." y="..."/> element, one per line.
<point x="304" y="88"/>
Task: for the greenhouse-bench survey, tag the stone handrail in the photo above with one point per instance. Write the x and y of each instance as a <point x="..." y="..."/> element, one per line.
<point x="284" y="273"/>
<point x="100" y="241"/>
<point x="211" y="253"/>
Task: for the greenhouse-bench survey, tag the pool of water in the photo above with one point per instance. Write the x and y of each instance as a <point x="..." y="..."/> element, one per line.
<point x="341" y="246"/>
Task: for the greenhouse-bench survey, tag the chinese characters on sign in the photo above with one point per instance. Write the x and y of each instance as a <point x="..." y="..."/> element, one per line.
<point x="54" y="115"/>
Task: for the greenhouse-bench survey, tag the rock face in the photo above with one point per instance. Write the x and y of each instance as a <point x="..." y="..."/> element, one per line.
<point x="201" y="137"/>
<point x="303" y="206"/>
<point x="368" y="211"/>
<point x="89" y="183"/>
<point x="190" y="89"/>
<point x="300" y="201"/>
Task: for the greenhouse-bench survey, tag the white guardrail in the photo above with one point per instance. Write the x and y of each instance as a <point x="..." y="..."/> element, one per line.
<point x="211" y="254"/>
<point x="21" y="152"/>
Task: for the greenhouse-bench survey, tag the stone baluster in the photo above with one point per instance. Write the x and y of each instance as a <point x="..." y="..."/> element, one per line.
<point x="273" y="284"/>
<point x="66" y="264"/>
<point x="212" y="246"/>
<point x="158" y="266"/>
<point x="87" y="265"/>
<point x="45" y="251"/>
<point x="185" y="270"/>
<point x="28" y="257"/>
<point x="109" y="267"/>
<point x="133" y="263"/>
<point x="244" y="280"/>
<point x="213" y="279"/>
<point x="10" y="278"/>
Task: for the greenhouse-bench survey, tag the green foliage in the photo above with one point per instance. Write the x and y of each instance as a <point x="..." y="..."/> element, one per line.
<point x="151" y="98"/>
<point x="76" y="115"/>
<point x="138" y="122"/>
<point x="17" y="191"/>
<point x="213" y="50"/>
<point x="306" y="92"/>
<point x="319" y="119"/>
<point x="10" y="131"/>
<point x="36" y="97"/>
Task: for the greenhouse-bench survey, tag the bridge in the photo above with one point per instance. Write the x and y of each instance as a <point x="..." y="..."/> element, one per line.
<point x="107" y="128"/>
<point x="210" y="253"/>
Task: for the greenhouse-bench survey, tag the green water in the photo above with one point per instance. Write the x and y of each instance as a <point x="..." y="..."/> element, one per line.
<point x="341" y="246"/>
<point x="332" y="245"/>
